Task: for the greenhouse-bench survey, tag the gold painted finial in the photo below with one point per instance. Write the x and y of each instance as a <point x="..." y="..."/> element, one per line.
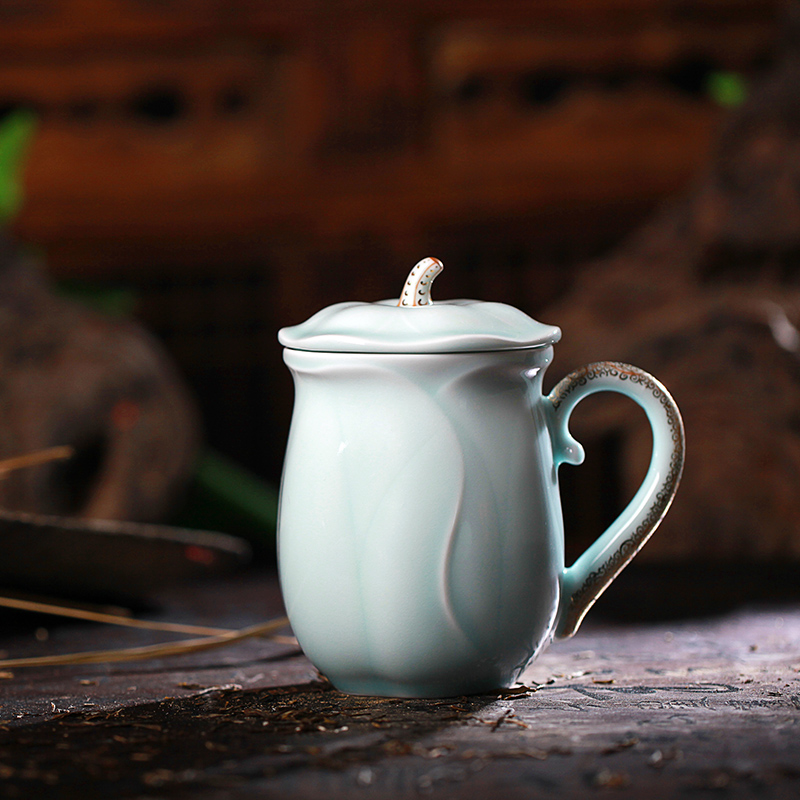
<point x="417" y="289"/>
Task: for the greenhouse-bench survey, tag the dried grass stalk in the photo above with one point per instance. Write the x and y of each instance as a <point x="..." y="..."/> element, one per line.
<point x="34" y="459"/>
<point x="148" y="651"/>
<point x="74" y="612"/>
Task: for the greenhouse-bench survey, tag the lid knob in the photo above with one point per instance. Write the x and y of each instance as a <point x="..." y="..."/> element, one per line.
<point x="417" y="290"/>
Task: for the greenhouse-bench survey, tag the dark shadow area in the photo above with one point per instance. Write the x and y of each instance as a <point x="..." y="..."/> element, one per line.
<point x="159" y="105"/>
<point x="215" y="739"/>
<point x="667" y="591"/>
<point x="73" y="481"/>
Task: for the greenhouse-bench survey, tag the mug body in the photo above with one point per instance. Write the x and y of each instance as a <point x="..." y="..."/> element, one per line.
<point x="420" y="540"/>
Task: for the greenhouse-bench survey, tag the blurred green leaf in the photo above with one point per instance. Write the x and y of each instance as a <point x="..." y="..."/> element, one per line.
<point x="226" y="497"/>
<point x="727" y="89"/>
<point x="116" y="301"/>
<point x="16" y="133"/>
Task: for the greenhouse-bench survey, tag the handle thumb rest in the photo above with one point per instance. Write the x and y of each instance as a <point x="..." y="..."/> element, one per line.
<point x="590" y="575"/>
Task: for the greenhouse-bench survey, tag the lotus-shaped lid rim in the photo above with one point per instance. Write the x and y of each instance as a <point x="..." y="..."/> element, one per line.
<point x="415" y="324"/>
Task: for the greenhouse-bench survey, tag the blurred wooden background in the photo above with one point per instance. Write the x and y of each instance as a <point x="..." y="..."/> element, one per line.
<point x="241" y="164"/>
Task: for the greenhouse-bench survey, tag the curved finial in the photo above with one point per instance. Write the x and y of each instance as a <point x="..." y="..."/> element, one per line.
<point x="417" y="290"/>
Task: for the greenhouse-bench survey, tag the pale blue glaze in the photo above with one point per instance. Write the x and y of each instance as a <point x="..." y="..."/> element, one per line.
<point x="412" y="489"/>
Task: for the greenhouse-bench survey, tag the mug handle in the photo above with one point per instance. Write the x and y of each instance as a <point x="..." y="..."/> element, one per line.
<point x="592" y="572"/>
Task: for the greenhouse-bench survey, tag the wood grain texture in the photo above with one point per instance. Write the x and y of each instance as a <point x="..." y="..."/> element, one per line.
<point x="668" y="709"/>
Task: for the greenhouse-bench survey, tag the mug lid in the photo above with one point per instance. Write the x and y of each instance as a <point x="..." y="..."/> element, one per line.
<point x="415" y="324"/>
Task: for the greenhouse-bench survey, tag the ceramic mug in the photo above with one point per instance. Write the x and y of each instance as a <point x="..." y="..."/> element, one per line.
<point x="420" y="534"/>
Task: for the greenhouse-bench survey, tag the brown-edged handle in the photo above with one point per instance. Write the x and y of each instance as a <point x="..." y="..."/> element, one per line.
<point x="588" y="577"/>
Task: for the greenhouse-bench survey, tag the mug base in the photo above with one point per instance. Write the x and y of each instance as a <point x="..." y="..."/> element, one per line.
<point x="376" y="687"/>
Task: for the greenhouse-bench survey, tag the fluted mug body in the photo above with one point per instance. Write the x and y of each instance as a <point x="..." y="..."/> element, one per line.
<point x="420" y="533"/>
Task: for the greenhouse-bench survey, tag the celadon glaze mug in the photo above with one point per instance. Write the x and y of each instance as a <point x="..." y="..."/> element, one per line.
<point x="420" y="535"/>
